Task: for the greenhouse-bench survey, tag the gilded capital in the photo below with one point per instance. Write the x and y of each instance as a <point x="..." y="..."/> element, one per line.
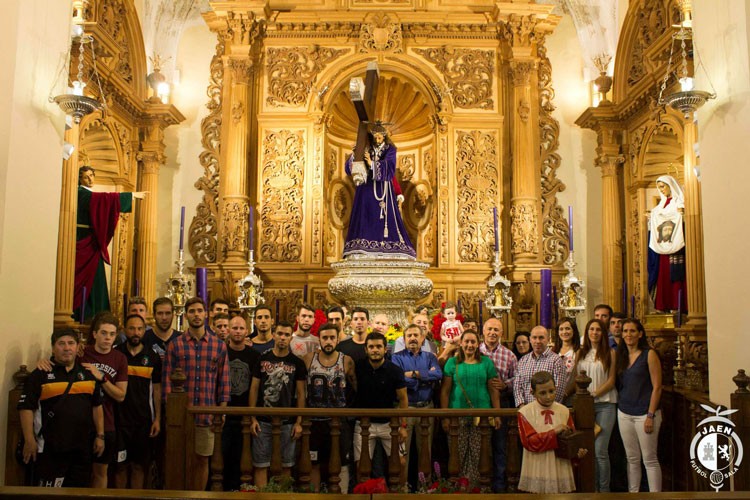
<point x="242" y="69"/>
<point x="518" y="30"/>
<point x="244" y="28"/>
<point x="608" y="164"/>
<point x="520" y="72"/>
<point x="151" y="160"/>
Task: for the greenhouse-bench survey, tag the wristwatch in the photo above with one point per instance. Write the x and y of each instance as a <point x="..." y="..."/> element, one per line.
<point x="650" y="415"/>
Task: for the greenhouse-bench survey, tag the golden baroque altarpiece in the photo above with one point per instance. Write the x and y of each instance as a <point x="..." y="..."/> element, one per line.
<point x="467" y="90"/>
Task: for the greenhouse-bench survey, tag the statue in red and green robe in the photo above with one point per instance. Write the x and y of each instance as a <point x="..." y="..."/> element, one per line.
<point x="98" y="214"/>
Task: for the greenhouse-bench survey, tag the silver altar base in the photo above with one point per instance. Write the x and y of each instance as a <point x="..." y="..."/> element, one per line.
<point x="381" y="285"/>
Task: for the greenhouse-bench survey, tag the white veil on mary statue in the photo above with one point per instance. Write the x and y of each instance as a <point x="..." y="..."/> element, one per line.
<point x="666" y="219"/>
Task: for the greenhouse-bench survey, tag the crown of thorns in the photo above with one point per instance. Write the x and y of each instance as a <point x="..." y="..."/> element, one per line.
<point x="379" y="127"/>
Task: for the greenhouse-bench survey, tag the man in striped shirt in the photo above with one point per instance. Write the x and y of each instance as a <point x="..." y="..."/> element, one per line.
<point x="505" y="364"/>
<point x="541" y="358"/>
<point x="203" y="359"/>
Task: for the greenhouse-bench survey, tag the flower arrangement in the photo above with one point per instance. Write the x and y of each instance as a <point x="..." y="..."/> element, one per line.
<point x="277" y="484"/>
<point x="320" y="320"/>
<point x="375" y="485"/>
<point x="440" y="484"/>
<point x="394" y="332"/>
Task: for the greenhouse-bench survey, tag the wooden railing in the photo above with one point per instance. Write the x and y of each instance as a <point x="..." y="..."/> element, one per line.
<point x="180" y="429"/>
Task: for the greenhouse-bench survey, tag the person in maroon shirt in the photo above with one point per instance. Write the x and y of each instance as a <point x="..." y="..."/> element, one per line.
<point x="110" y="368"/>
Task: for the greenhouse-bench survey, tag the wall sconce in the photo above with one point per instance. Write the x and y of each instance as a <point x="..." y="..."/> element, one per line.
<point x="157" y="81"/>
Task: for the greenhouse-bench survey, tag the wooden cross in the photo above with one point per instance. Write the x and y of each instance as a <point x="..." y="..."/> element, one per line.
<point x="364" y="102"/>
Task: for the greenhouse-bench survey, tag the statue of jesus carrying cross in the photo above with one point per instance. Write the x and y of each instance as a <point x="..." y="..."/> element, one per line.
<point x="376" y="228"/>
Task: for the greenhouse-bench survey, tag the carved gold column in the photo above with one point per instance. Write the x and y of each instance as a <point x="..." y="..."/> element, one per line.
<point x="243" y="33"/>
<point x="66" y="237"/>
<point x="608" y="160"/>
<point x="526" y="207"/>
<point x="696" y="282"/>
<point x="151" y="155"/>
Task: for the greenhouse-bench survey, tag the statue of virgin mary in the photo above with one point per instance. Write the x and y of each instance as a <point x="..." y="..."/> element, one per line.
<point x="666" y="245"/>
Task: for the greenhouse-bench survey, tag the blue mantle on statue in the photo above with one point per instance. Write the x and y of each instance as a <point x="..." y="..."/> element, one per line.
<point x="376" y="227"/>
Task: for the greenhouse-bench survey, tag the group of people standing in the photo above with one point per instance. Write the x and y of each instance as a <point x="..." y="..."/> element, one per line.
<point x="348" y="363"/>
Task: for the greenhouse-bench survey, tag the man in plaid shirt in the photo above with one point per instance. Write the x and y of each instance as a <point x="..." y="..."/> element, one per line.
<point x="541" y="358"/>
<point x="505" y="364"/>
<point x="203" y="359"/>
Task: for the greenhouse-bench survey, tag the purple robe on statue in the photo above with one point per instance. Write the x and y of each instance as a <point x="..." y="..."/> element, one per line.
<point x="375" y="226"/>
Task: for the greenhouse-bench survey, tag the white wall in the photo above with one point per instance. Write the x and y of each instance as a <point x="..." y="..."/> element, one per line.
<point x="577" y="171"/>
<point x="721" y="35"/>
<point x="183" y="141"/>
<point x="34" y="36"/>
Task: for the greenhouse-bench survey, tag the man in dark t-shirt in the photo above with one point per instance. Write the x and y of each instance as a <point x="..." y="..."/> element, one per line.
<point x="278" y="382"/>
<point x="355" y="346"/>
<point x="380" y="384"/>
<point x="139" y="416"/>
<point x="242" y="362"/>
<point x="61" y="417"/>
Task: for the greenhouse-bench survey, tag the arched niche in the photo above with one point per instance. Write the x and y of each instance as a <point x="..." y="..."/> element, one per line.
<point x="408" y="110"/>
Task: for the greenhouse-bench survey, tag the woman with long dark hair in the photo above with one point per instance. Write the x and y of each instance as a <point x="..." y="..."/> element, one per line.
<point x="598" y="361"/>
<point x="467" y="383"/>
<point x="521" y="344"/>
<point x="567" y="343"/>
<point x="638" y="415"/>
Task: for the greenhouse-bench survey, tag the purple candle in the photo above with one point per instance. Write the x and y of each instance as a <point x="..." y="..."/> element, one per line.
<point x="497" y="238"/>
<point x="570" y="227"/>
<point x="679" y="308"/>
<point x="277" y="311"/>
<point x="545" y="305"/>
<point x="201" y="283"/>
<point x="182" y="226"/>
<point x="83" y="306"/>
<point x="555" y="304"/>
<point x="251" y="229"/>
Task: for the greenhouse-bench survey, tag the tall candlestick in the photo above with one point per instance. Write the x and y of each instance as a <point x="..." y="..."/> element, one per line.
<point x="182" y="227"/>
<point x="201" y="283"/>
<point x="83" y="306"/>
<point x="251" y="229"/>
<point x="497" y="236"/>
<point x="570" y="227"/>
<point x="545" y="305"/>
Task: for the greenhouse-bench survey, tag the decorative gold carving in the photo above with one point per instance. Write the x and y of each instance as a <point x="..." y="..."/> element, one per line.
<point x="520" y="73"/>
<point x="235" y="218"/>
<point x="443" y="160"/>
<point x="634" y="150"/>
<point x="554" y="225"/>
<point x="477" y="191"/>
<point x="282" y="171"/>
<point x="380" y="33"/>
<point x="341" y="196"/>
<point x="202" y="236"/>
<point x="244" y="29"/>
<point x="651" y="23"/>
<point x="120" y="273"/>
<point x="468" y="73"/>
<point x="524" y="303"/>
<point x="636" y="255"/>
<point x="418" y="207"/>
<point x="524" y="217"/>
<point x="438" y="297"/>
<point x="428" y="166"/>
<point x="292" y="72"/>
<point x="443" y="230"/>
<point x="524" y="108"/>
<point x="316" y="232"/>
<point x="470" y="301"/>
<point x="332" y="164"/>
<point x="112" y="18"/>
<point x="406" y="167"/>
<point x="518" y="31"/>
<point x="242" y="69"/>
<point x="238" y="111"/>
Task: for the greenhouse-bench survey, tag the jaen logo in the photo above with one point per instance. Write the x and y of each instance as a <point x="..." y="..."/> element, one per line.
<point x="716" y="450"/>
